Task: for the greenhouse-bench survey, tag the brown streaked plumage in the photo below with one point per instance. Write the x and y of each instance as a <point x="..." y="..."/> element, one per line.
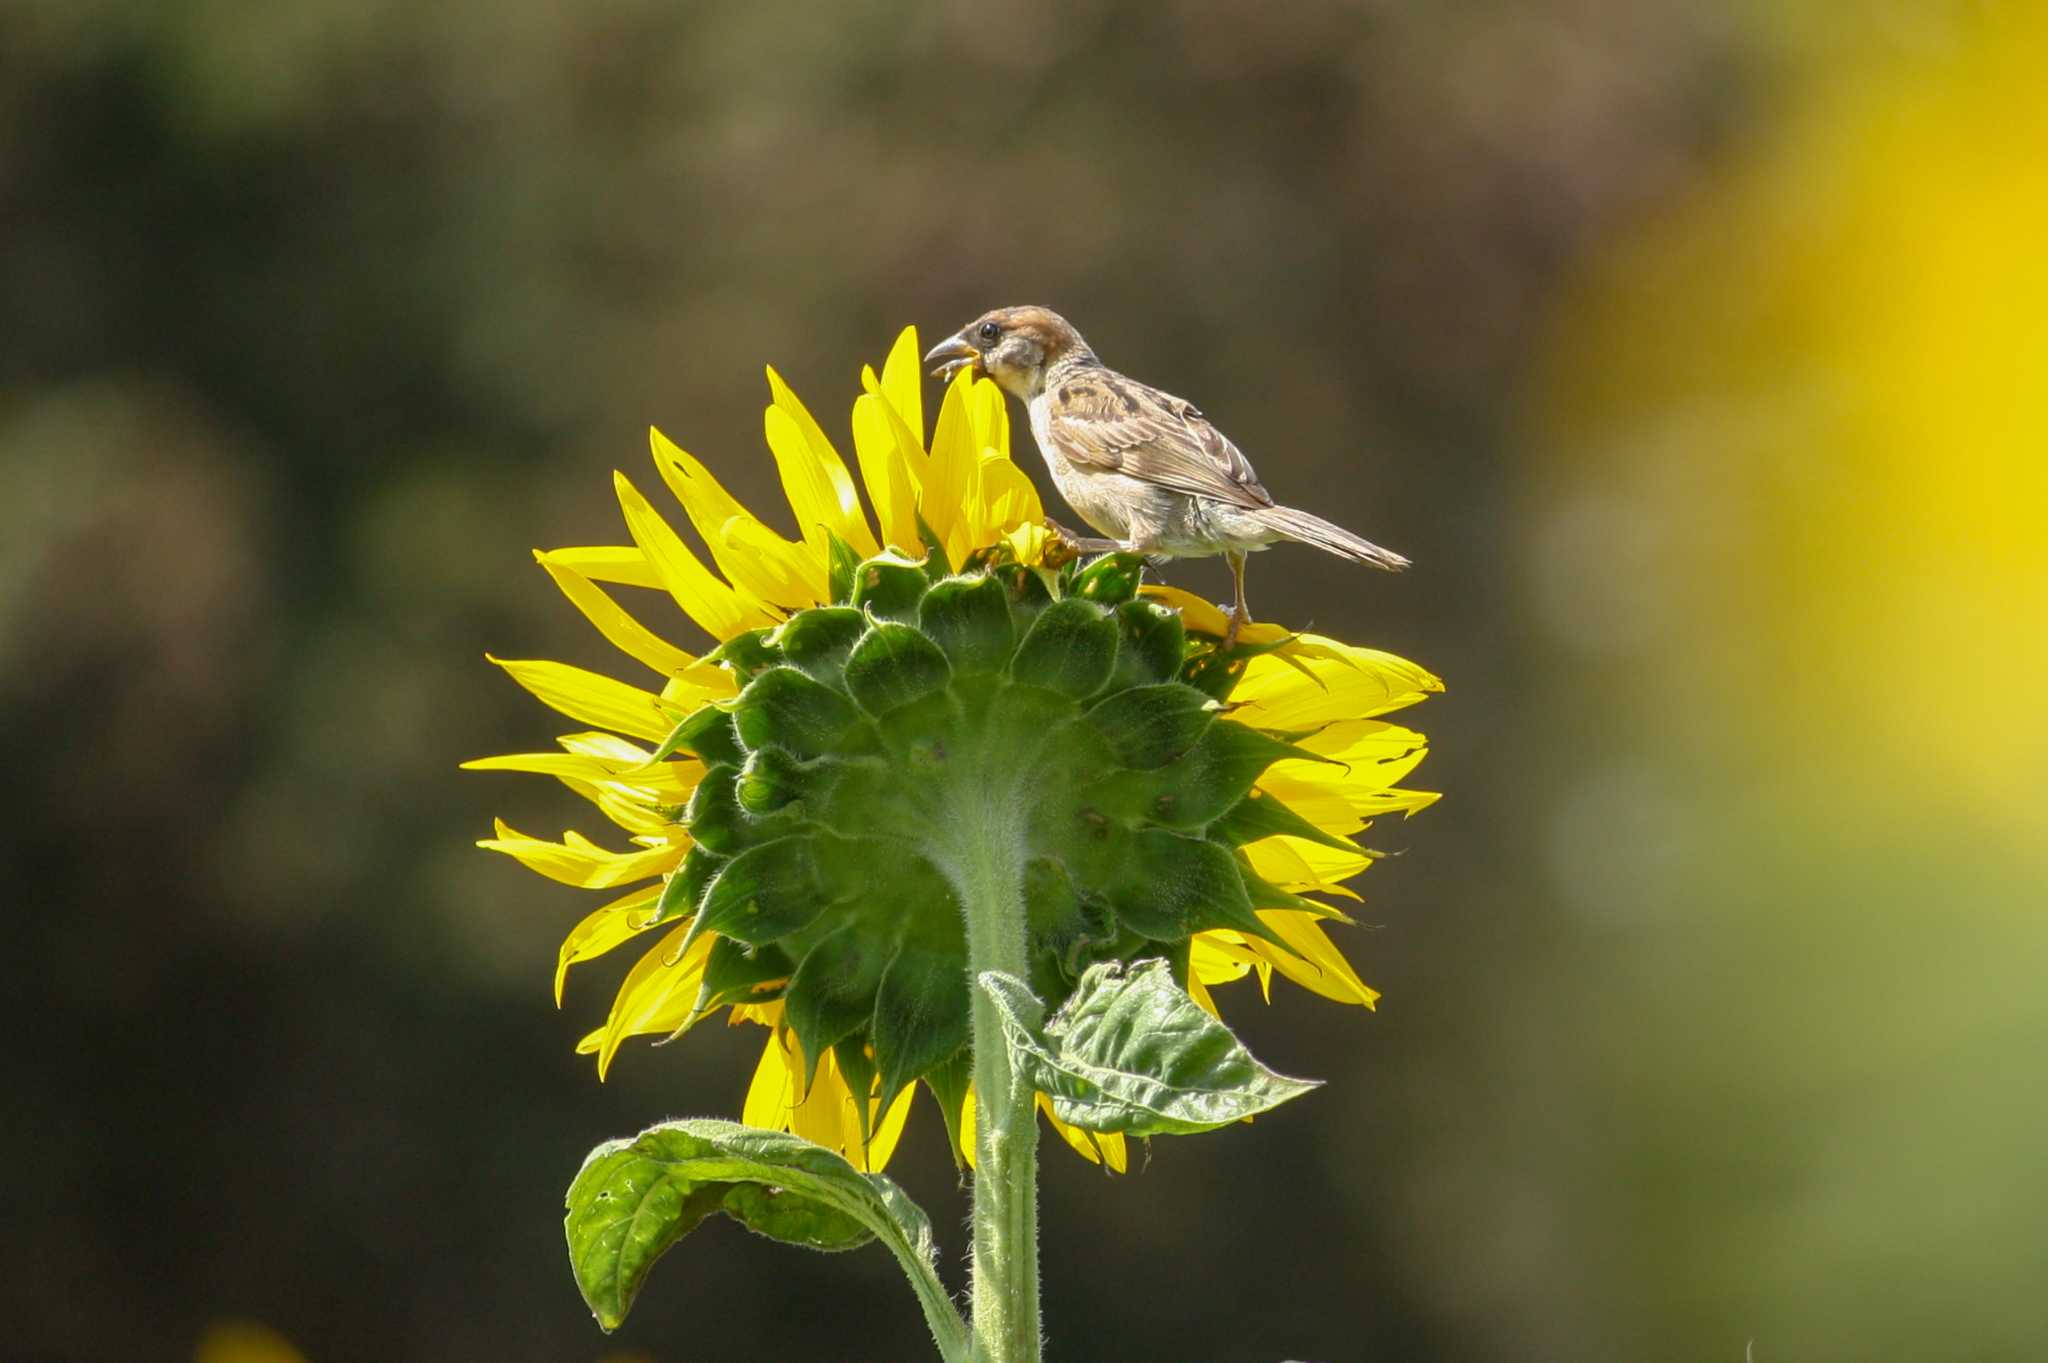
<point x="1144" y="468"/>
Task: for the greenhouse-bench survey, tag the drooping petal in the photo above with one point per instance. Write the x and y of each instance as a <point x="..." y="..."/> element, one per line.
<point x="719" y="610"/>
<point x="576" y="860"/>
<point x="1319" y="680"/>
<point x="657" y="993"/>
<point x="886" y="1132"/>
<point x="1303" y="867"/>
<point x="592" y="697"/>
<point x="750" y="554"/>
<point x="605" y="928"/>
<point x="1097" y="1147"/>
<point x="814" y="478"/>
<point x="1324" y="971"/>
<point x="626" y="634"/>
<point x="1212" y="961"/>
<point x="1366" y="757"/>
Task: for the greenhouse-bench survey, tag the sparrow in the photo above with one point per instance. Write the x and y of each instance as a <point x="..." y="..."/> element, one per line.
<point x="1142" y="467"/>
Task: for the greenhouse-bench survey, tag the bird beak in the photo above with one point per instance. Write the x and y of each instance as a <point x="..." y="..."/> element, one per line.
<point x="952" y="355"/>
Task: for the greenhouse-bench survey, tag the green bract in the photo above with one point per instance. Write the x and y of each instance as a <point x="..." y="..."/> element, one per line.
<point x="881" y="747"/>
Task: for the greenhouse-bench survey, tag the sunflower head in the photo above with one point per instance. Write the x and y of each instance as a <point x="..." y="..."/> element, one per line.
<point x="888" y="720"/>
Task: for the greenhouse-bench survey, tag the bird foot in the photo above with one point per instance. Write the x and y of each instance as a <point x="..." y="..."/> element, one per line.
<point x="1238" y="620"/>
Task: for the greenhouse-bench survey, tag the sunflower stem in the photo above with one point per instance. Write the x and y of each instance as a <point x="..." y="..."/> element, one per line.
<point x="989" y="873"/>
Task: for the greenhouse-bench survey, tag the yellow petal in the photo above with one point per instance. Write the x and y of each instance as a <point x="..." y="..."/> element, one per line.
<point x="1004" y="500"/>
<point x="1343" y="683"/>
<point x="768" y="1096"/>
<point x="1214" y="958"/>
<point x="604" y="929"/>
<point x="1199" y="616"/>
<point x="631" y="813"/>
<point x="609" y="747"/>
<point x="623" y="564"/>
<point x="1324" y="971"/>
<point x="884" y="467"/>
<point x="1029" y="542"/>
<point x="592" y="697"/>
<point x="1366" y="757"/>
<point x="657" y="993"/>
<point x="625" y="633"/>
<point x="887" y="1132"/>
<point x="1103" y="1147"/>
<point x="751" y="555"/>
<point x="1304" y="867"/>
<point x="988" y="418"/>
<point x="671" y="782"/>
<point x="1342" y="807"/>
<point x="814" y="477"/>
<point x="578" y="861"/>
<point x="903" y="382"/>
<point x="952" y="474"/>
<point x="967" y="1126"/>
<point x="721" y="611"/>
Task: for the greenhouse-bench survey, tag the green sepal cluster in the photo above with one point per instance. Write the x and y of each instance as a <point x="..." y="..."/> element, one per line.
<point x="880" y="741"/>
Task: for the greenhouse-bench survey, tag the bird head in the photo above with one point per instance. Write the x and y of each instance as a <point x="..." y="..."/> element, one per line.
<point x="1013" y="346"/>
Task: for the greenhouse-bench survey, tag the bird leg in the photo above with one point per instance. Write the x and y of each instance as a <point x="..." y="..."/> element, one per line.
<point x="1240" y="614"/>
<point x="1085" y="544"/>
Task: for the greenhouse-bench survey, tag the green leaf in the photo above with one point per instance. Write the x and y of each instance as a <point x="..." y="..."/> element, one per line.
<point x="893" y="665"/>
<point x="843" y="564"/>
<point x="969" y="617"/>
<point x="633" y="1199"/>
<point x="764" y="893"/>
<point x="949" y="1082"/>
<point x="1070" y="648"/>
<point x="1149" y="726"/>
<point x="685" y="888"/>
<point x="889" y="587"/>
<point x="921" y="1013"/>
<point x="1131" y="1052"/>
<point x="714" y="816"/>
<point x="1111" y="580"/>
<point x="1154" y="641"/>
<point x="747" y="653"/>
<point x="706" y="733"/>
<point x="818" y="640"/>
<point x="784" y="707"/>
<point x="737" y="973"/>
<point x="832" y="994"/>
<point x="1258" y="815"/>
<point x="1169" y="886"/>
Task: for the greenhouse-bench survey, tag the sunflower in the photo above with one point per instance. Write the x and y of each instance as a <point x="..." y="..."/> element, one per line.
<point x="784" y="798"/>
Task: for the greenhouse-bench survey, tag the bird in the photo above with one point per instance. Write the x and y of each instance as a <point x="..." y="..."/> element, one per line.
<point x="1144" y="468"/>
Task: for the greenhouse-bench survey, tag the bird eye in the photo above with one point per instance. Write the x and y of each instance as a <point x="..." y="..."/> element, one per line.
<point x="989" y="331"/>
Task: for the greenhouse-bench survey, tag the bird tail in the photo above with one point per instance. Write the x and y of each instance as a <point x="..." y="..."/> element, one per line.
<point x="1331" y="539"/>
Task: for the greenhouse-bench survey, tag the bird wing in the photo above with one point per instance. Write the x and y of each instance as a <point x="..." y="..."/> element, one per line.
<point x="1104" y="421"/>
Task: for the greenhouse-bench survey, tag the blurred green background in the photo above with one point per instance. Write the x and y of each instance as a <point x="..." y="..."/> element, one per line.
<point x="1697" y="355"/>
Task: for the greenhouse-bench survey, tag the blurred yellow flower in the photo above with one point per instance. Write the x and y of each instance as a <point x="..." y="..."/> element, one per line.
<point x="1810" y="412"/>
